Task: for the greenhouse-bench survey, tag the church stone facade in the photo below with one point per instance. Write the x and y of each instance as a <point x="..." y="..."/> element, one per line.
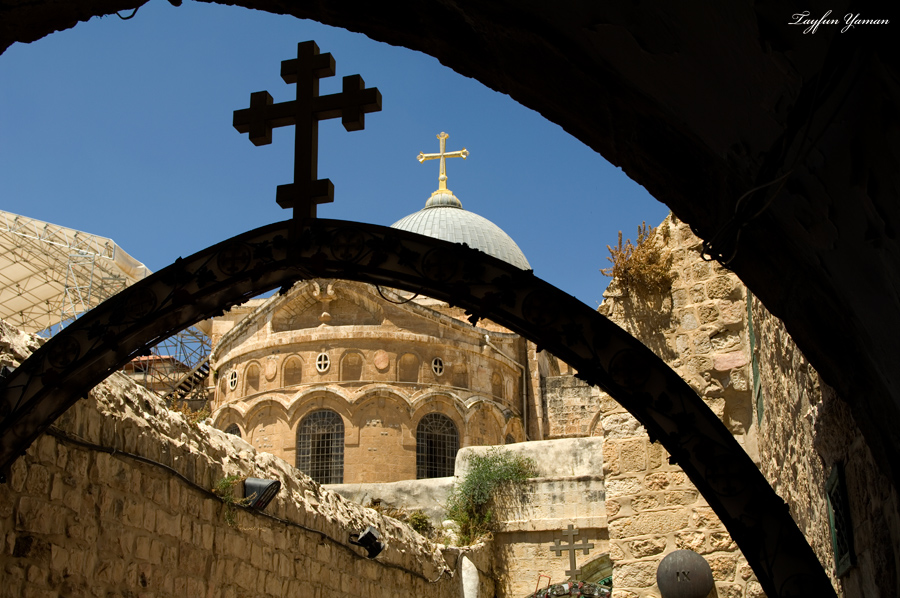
<point x="354" y="383"/>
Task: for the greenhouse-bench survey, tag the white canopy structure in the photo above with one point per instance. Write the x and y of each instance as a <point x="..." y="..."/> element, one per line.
<point x="49" y="273"/>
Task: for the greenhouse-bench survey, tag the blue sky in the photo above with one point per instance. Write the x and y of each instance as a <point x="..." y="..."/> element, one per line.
<point x="123" y="129"/>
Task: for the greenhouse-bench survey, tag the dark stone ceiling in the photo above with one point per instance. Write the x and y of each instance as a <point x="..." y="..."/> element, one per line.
<point x="779" y="148"/>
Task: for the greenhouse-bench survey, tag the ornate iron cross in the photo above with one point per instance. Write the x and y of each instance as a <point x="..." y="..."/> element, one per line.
<point x="443" y="155"/>
<point x="305" y="112"/>
<point x="572" y="548"/>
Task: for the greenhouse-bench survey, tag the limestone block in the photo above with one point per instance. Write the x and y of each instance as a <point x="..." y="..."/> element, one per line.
<point x="612" y="508"/>
<point x="728" y="361"/>
<point x="658" y="481"/>
<point x="633" y="455"/>
<point x="701" y="270"/>
<point x="729" y="590"/>
<point x="691" y="540"/>
<point x="723" y="567"/>
<point x="621" y="425"/>
<point x="38" y="481"/>
<point x="641" y="574"/>
<point x="708" y="313"/>
<point x="649" y="522"/>
<point x="721" y="287"/>
<point x="754" y="590"/>
<point x="616" y="553"/>
<point x="647" y="547"/>
<point x="701" y="343"/>
<point x="698" y="364"/>
<point x="38" y="516"/>
<point x="681" y="497"/>
<point x="657" y="456"/>
<point x="644" y="502"/>
<point x="59" y="557"/>
<point x="689" y="320"/>
<point x="622" y="486"/>
<point x="705" y="517"/>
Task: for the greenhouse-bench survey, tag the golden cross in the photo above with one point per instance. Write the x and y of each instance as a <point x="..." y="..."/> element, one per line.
<point x="463" y="153"/>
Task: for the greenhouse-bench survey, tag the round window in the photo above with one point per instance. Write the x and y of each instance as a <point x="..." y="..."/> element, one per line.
<point x="322" y="363"/>
<point x="232" y="379"/>
<point x="437" y="366"/>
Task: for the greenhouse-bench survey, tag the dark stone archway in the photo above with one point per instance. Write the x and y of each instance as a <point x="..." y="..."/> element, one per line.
<point x="779" y="147"/>
<point x="198" y="287"/>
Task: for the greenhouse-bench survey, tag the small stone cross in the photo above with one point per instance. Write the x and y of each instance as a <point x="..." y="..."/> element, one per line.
<point x="572" y="548"/>
<point x="305" y="112"/>
<point x="443" y="155"/>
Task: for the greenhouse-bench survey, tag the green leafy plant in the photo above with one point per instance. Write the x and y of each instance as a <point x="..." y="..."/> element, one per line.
<point x="640" y="267"/>
<point x="224" y="489"/>
<point x="472" y="498"/>
<point x="420" y="522"/>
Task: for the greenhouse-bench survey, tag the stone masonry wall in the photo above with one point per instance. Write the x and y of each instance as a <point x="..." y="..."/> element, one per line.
<point x="568" y="490"/>
<point x="78" y="522"/>
<point x="805" y="430"/>
<point x="699" y="329"/>
<point x="572" y="407"/>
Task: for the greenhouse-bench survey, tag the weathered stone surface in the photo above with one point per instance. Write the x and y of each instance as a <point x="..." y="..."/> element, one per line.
<point x="649" y="522"/>
<point x="621" y="425"/>
<point x="641" y="574"/>
<point x="647" y="547"/>
<point x="96" y="524"/>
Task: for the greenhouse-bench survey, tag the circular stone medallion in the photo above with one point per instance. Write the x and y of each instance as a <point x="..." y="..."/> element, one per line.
<point x="382" y="360"/>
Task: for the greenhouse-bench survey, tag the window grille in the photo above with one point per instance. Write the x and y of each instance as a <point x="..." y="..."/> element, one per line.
<point x="437" y="366"/>
<point x="839" y="521"/>
<point x="234" y="430"/>
<point x="320" y="447"/>
<point x="322" y="363"/>
<point x="232" y="379"/>
<point x="437" y="442"/>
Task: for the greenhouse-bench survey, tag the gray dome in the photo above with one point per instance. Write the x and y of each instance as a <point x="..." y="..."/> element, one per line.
<point x="443" y="217"/>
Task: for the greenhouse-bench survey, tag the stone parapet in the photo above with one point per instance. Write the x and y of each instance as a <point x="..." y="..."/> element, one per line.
<point x="116" y="501"/>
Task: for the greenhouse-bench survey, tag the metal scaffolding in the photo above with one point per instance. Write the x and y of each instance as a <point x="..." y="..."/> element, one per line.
<point x="51" y="274"/>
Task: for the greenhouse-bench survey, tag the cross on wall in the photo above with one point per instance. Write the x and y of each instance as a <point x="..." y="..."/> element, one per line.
<point x="305" y="112"/>
<point x="572" y="548"/>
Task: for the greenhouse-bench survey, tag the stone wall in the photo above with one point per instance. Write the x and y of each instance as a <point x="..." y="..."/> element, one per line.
<point x="569" y="490"/>
<point x="699" y="328"/>
<point x="805" y="430"/>
<point x="572" y="407"/>
<point x="77" y="521"/>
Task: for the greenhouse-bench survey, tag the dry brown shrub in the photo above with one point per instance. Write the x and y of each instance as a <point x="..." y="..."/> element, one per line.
<point x="639" y="267"/>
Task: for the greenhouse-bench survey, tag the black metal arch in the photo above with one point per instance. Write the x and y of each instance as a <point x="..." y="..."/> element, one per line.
<point x="204" y="284"/>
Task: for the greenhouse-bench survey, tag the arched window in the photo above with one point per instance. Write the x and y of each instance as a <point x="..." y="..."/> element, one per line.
<point x="351" y="367"/>
<point x="320" y="447"/>
<point x="408" y="368"/>
<point x="497" y="386"/>
<point x="252" y="379"/>
<point x="293" y="371"/>
<point x="437" y="442"/>
<point x="234" y="430"/>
